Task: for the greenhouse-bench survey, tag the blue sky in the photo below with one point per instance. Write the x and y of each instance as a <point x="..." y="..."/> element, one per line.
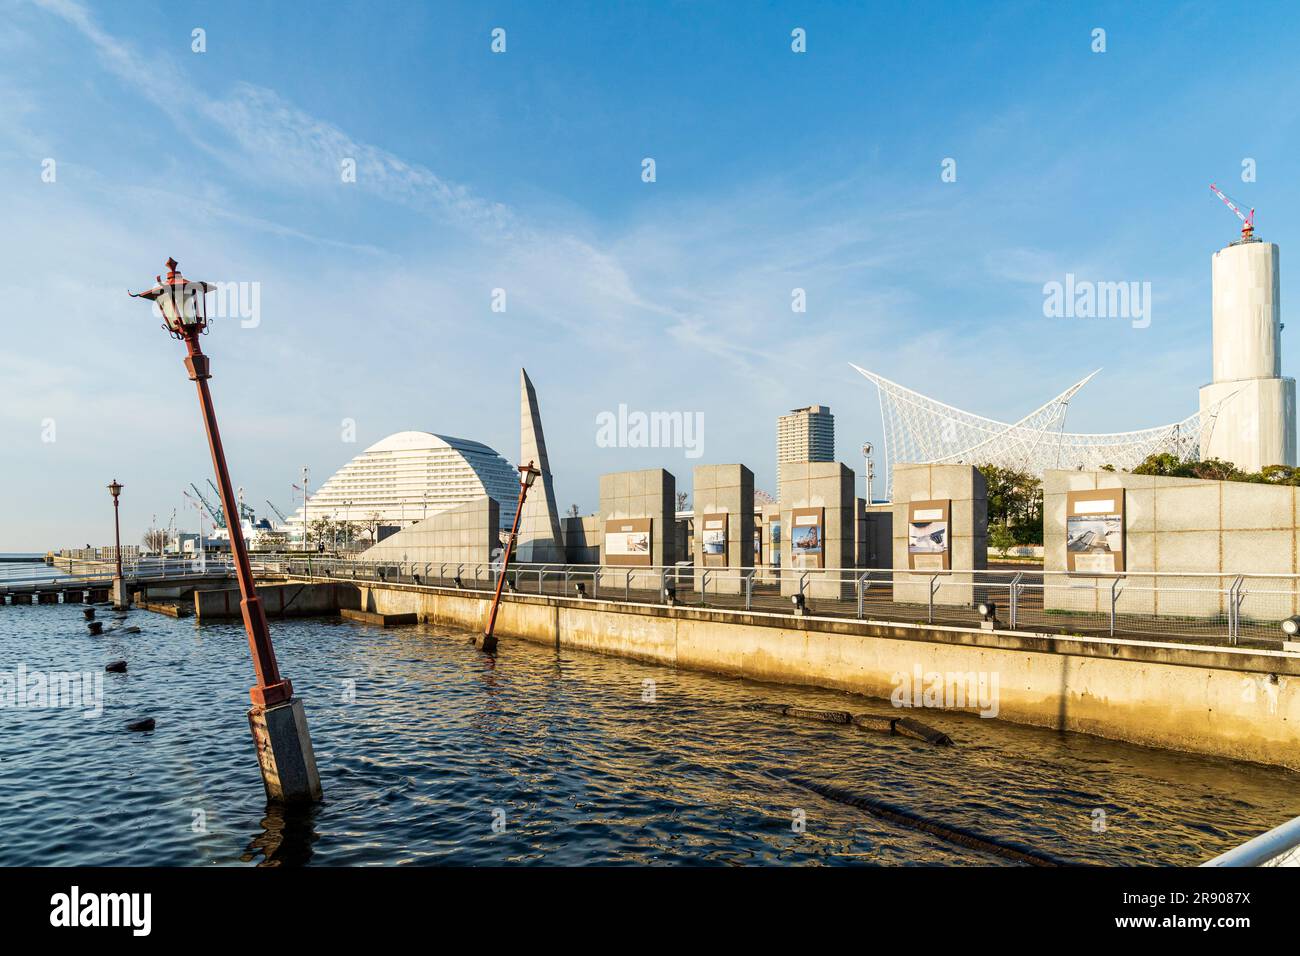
<point x="522" y="171"/>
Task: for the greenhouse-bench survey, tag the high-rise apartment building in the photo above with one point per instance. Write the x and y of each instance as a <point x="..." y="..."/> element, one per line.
<point x="806" y="434"/>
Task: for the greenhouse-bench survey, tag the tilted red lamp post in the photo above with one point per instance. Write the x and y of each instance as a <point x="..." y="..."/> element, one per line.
<point x="527" y="475"/>
<point x="277" y="719"/>
<point x="119" y="583"/>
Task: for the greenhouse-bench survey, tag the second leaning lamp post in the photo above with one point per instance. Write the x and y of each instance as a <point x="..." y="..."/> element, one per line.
<point x="527" y="475"/>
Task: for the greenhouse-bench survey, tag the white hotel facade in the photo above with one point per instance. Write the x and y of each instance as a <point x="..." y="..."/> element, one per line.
<point x="409" y="476"/>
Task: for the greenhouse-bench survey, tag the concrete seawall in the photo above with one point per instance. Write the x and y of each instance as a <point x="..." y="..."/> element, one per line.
<point x="278" y="600"/>
<point x="1242" y="704"/>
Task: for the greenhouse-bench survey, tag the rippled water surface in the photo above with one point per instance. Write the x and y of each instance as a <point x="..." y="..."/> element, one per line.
<point x="583" y="758"/>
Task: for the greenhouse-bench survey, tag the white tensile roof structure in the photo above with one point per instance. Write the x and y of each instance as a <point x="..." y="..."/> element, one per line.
<point x="923" y="430"/>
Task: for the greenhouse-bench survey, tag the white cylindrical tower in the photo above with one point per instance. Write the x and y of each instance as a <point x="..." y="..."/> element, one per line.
<point x="1247" y="311"/>
<point x="1251" y="404"/>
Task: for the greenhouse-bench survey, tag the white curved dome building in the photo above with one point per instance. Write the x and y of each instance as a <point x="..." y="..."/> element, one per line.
<point x="410" y="475"/>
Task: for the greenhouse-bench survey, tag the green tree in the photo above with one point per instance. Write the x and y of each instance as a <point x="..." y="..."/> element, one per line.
<point x="1215" y="469"/>
<point x="1001" y="538"/>
<point x="321" y="531"/>
<point x="1015" y="502"/>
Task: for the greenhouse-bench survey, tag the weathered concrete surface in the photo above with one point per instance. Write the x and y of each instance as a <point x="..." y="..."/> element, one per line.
<point x="285" y="753"/>
<point x="1227" y="702"/>
<point x="466" y="534"/>
<point x="158" y="607"/>
<point x="120" y="593"/>
<point x="377" y="619"/>
<point x="294" y="599"/>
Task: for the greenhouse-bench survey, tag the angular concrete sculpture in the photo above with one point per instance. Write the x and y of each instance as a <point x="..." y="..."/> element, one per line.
<point x="540" y="538"/>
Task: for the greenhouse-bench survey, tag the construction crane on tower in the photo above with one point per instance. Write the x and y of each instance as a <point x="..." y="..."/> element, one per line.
<point x="1247" y="220"/>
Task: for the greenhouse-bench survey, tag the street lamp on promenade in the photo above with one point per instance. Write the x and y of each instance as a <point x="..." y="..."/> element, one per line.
<point x="119" y="584"/>
<point x="527" y="475"/>
<point x="277" y="718"/>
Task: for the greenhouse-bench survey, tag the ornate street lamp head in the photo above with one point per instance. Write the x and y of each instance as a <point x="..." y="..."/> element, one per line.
<point x="115" y="489"/>
<point x="181" y="301"/>
<point x="528" y="474"/>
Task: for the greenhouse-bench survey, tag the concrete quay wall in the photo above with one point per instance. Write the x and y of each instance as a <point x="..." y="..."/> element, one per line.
<point x="294" y="599"/>
<point x="1226" y="702"/>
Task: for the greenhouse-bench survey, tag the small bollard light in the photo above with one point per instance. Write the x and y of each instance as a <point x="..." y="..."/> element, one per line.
<point x="670" y="596"/>
<point x="415" y="578"/>
<point x="458" y="582"/>
<point x="800" y="605"/>
<point x="581" y="588"/>
<point x="988" y="612"/>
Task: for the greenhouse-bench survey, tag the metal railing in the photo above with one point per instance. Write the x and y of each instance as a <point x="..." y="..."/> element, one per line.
<point x="1214" y="608"/>
<point x="138" y="570"/>
<point x="1278" y="847"/>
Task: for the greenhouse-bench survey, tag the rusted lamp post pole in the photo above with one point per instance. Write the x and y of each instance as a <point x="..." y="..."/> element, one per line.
<point x="527" y="475"/>
<point x="119" y="583"/>
<point x="277" y="718"/>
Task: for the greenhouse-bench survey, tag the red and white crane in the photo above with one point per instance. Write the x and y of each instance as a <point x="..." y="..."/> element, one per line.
<point x="1247" y="220"/>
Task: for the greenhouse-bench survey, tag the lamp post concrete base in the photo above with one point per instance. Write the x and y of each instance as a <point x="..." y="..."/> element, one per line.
<point x="284" y="752"/>
<point x="121" y="597"/>
<point x="486" y="642"/>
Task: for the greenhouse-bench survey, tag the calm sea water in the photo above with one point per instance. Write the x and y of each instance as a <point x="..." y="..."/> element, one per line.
<point x="564" y="749"/>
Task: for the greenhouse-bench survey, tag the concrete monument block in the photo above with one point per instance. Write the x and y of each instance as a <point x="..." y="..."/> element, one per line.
<point x="772" y="543"/>
<point x="818" y="529"/>
<point x="1199" y="530"/>
<point x="940" y="527"/>
<point x="875" y="535"/>
<point x="724" y="527"/>
<point x="638" y="529"/>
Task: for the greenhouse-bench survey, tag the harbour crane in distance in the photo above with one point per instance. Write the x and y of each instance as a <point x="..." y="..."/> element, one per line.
<point x="278" y="513"/>
<point x="218" y="519"/>
<point x="245" y="512"/>
<point x="1247" y="220"/>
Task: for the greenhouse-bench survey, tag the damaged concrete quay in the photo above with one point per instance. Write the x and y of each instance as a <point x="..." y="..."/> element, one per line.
<point x="1233" y="702"/>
